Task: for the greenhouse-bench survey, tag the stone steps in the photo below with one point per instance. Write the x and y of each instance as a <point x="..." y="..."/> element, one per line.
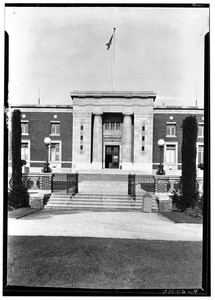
<point x="102" y="177"/>
<point x="97" y="202"/>
<point x="103" y="187"/>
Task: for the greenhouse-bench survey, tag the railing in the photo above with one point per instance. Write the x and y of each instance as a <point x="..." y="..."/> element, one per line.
<point x="131" y="185"/>
<point x="65" y="182"/>
<point x="146" y="182"/>
<point x="139" y="183"/>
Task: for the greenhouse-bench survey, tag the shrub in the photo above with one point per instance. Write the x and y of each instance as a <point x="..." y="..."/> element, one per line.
<point x="195" y="212"/>
<point x="18" y="197"/>
<point x="177" y="202"/>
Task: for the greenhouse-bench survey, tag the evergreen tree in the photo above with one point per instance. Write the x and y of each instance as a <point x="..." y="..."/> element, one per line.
<point x="189" y="191"/>
<point x="18" y="195"/>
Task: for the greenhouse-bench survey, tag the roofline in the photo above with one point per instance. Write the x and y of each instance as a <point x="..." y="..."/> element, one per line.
<point x="41" y="106"/>
<point x="178" y="110"/>
<point x="178" y="107"/>
<point x="113" y="94"/>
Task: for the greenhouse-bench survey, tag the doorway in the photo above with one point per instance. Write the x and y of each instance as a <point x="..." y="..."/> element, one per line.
<point x="112" y="157"/>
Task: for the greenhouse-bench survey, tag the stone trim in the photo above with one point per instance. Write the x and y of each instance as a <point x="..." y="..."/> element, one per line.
<point x="121" y="94"/>
<point x="63" y="109"/>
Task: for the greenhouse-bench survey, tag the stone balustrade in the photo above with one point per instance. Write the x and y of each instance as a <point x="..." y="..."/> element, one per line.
<point x="168" y="184"/>
<point x="36" y="181"/>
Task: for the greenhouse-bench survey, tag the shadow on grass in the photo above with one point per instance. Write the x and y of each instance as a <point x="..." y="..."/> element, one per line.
<point x="47" y="214"/>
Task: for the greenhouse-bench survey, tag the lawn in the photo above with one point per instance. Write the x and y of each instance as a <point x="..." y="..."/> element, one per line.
<point x="98" y="263"/>
<point x="179" y="217"/>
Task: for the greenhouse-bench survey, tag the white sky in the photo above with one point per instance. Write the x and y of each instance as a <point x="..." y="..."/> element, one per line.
<point x="58" y="50"/>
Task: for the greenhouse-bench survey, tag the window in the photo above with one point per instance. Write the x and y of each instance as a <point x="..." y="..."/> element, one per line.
<point x="55" y="152"/>
<point x="108" y="150"/>
<point x="201" y="130"/>
<point x="25" y="151"/>
<point x="143" y="148"/>
<point x="170" y="154"/>
<point x="81" y="147"/>
<point x="117" y="125"/>
<point x="200" y="154"/>
<point x="112" y="125"/>
<point x="115" y="150"/>
<point x="82" y="127"/>
<point x="81" y="137"/>
<point x="55" y="128"/>
<point x="143" y="128"/>
<point x="143" y="138"/>
<point x="24" y="127"/>
<point x="171" y="129"/>
<point x="107" y="125"/>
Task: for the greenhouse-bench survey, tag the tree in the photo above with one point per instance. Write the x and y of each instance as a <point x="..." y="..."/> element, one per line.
<point x="189" y="191"/>
<point x="18" y="195"/>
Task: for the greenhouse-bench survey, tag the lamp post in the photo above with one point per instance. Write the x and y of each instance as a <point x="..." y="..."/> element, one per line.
<point x="160" y="170"/>
<point x="46" y="168"/>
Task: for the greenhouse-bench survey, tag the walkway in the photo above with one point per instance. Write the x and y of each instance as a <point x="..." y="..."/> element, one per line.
<point x="127" y="225"/>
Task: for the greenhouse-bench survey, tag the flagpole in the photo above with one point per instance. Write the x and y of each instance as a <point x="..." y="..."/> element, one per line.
<point x="112" y="56"/>
<point x="114" y="37"/>
<point x="111" y="62"/>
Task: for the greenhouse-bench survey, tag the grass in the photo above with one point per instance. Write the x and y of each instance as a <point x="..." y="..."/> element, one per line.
<point x="179" y="217"/>
<point x="96" y="263"/>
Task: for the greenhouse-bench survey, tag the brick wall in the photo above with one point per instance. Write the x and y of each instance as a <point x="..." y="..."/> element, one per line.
<point x="39" y="128"/>
<point x="159" y="131"/>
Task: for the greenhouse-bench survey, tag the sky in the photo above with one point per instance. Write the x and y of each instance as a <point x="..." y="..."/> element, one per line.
<point x="55" y="50"/>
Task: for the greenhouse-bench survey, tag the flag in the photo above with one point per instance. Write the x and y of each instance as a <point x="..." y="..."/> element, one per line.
<point x="109" y="43"/>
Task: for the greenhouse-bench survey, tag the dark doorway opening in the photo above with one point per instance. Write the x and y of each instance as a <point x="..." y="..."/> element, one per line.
<point x="112" y="157"/>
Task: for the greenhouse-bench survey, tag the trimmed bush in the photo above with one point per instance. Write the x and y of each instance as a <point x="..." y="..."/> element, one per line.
<point x="189" y="190"/>
<point x="18" y="195"/>
<point x="16" y="148"/>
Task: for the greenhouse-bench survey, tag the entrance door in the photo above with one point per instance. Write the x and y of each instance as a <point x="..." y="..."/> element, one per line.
<point x="112" y="157"/>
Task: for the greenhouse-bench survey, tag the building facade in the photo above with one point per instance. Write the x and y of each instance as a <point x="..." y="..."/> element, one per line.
<point x="107" y="130"/>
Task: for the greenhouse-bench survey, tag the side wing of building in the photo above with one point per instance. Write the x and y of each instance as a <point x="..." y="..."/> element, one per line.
<point x="167" y="125"/>
<point x="38" y="122"/>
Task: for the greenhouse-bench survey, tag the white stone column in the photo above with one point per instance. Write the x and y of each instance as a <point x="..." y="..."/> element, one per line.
<point x="97" y="141"/>
<point x="126" y="142"/>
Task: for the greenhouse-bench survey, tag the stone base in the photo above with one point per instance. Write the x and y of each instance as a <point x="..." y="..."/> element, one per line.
<point x="127" y="166"/>
<point x="164" y="202"/>
<point x="36" y="200"/>
<point x="79" y="166"/>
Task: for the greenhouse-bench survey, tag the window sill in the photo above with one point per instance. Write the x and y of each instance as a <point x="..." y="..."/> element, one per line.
<point x="25" y="133"/>
<point x="171" y="136"/>
<point x="53" y="134"/>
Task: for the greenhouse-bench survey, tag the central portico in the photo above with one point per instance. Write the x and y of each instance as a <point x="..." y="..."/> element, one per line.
<point x="113" y="130"/>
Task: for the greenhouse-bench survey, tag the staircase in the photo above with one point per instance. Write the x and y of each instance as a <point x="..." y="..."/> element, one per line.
<point x="96" y="202"/>
<point x="104" y="191"/>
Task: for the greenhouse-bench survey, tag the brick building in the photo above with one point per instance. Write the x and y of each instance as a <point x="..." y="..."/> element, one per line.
<point x="107" y="130"/>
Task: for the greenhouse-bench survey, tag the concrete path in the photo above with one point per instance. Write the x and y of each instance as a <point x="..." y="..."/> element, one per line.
<point x="126" y="225"/>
